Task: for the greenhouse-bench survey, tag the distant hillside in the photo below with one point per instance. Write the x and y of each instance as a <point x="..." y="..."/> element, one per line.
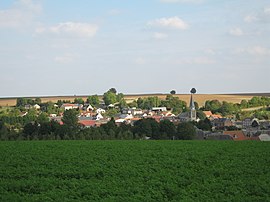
<point x="200" y="98"/>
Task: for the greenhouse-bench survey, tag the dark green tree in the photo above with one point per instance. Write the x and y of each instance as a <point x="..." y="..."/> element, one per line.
<point x="113" y="90"/>
<point x="78" y="101"/>
<point x="70" y="118"/>
<point x="193" y="91"/>
<point x="109" y="98"/>
<point x="204" y="124"/>
<point x="186" y="131"/>
<point x="167" y="129"/>
<point x="38" y="101"/>
<point x="173" y="92"/>
<point x="30" y="130"/>
<point x="93" y="100"/>
<point x="43" y="118"/>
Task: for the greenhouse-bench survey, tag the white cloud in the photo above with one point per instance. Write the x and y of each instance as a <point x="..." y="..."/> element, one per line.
<point x="140" y="61"/>
<point x="173" y="22"/>
<point x="196" y="60"/>
<point x="159" y="35"/>
<point x="236" y="32"/>
<point x="66" y="58"/>
<point x="255" y="50"/>
<point x="21" y="14"/>
<point x="71" y="28"/>
<point x="267" y="10"/>
<point x="210" y="51"/>
<point x="250" y="18"/>
<point x="262" y="16"/>
<point x="181" y="1"/>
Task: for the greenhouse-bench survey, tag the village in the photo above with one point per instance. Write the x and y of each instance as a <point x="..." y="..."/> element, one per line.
<point x="220" y="127"/>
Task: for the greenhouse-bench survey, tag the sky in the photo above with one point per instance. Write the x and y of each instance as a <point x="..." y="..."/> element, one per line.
<point x="85" y="47"/>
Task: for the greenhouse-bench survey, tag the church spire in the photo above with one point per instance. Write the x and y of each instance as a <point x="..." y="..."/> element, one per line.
<point x="192" y="106"/>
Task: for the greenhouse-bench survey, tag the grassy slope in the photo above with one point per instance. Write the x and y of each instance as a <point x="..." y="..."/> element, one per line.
<point x="134" y="171"/>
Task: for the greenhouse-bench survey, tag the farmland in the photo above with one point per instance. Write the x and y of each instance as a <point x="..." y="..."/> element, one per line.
<point x="134" y="171"/>
<point x="200" y="98"/>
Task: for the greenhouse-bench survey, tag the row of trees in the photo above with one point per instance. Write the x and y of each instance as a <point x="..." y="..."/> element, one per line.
<point x="42" y="129"/>
<point x="226" y="108"/>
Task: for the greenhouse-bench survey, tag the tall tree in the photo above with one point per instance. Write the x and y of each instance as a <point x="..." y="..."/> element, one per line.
<point x="70" y="118"/>
<point x="186" y="131"/>
<point x="78" y="101"/>
<point x="93" y="100"/>
<point x="113" y="90"/>
<point x="167" y="129"/>
<point x="109" y="98"/>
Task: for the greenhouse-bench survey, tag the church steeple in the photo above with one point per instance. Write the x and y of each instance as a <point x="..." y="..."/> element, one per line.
<point x="192" y="113"/>
<point x="191" y="105"/>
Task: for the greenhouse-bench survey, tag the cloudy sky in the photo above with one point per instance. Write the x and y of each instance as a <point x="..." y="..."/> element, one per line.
<point x="83" y="47"/>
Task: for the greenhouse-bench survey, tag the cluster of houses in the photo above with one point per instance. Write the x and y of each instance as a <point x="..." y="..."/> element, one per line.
<point x="248" y="129"/>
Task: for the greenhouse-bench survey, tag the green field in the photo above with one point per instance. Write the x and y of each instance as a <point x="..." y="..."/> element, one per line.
<point x="134" y="171"/>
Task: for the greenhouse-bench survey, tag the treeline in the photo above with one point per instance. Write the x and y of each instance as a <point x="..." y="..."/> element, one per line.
<point x="226" y="108"/>
<point x="43" y="129"/>
<point x="142" y="129"/>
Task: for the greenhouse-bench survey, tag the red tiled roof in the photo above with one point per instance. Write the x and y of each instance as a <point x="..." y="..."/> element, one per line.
<point x="216" y="116"/>
<point x="88" y="122"/>
<point x="237" y="135"/>
<point x="207" y="113"/>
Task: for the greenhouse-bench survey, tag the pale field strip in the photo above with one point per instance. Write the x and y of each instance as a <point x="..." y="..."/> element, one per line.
<point x="199" y="98"/>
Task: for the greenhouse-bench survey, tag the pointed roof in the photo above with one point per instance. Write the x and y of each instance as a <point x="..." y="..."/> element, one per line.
<point x="191" y="105"/>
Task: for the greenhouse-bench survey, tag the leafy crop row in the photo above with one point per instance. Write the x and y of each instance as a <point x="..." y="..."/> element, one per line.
<point x="134" y="171"/>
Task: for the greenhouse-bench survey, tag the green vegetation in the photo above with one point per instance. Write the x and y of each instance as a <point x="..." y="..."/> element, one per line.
<point x="134" y="171"/>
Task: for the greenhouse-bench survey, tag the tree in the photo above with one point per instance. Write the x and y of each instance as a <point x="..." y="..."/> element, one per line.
<point x="110" y="128"/>
<point x="200" y="115"/>
<point x="78" y="101"/>
<point x="193" y="90"/>
<point x="113" y="90"/>
<point x="93" y="100"/>
<point x="21" y="102"/>
<point x="212" y="105"/>
<point x="111" y="112"/>
<point x="30" y="129"/>
<point x="143" y="127"/>
<point x="43" y="118"/>
<point x="109" y="98"/>
<point x="70" y="118"/>
<point x="140" y="102"/>
<point x="204" y="124"/>
<point x="122" y="104"/>
<point x="186" y="131"/>
<point x="173" y="92"/>
<point x="119" y="97"/>
<point x="38" y="101"/>
<point x="167" y="129"/>
<point x="133" y="104"/>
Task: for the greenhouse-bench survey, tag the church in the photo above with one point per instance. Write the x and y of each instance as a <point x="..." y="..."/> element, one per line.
<point x="191" y="114"/>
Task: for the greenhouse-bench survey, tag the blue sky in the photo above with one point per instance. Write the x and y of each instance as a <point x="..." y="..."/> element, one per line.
<point x="85" y="47"/>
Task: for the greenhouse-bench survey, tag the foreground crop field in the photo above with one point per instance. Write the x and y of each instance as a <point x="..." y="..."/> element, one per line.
<point x="134" y="171"/>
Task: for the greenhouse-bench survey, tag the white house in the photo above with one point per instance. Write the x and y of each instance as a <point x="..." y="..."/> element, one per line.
<point x="160" y="109"/>
<point x="36" y="106"/>
<point x="69" y="106"/>
<point x="88" y="107"/>
<point x="100" y="111"/>
<point x="264" y="137"/>
<point x="126" y="116"/>
<point x="97" y="117"/>
<point x="137" y="112"/>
